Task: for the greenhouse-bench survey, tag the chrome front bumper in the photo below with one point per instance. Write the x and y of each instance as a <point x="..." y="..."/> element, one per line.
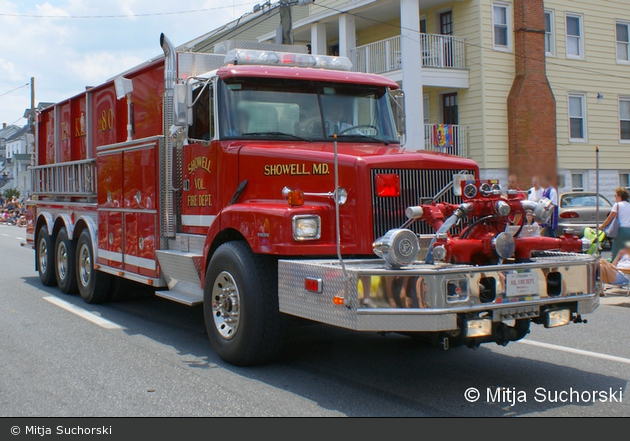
<point x="429" y="298"/>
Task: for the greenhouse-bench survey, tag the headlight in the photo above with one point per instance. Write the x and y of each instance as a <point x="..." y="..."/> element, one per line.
<point x="307" y="227"/>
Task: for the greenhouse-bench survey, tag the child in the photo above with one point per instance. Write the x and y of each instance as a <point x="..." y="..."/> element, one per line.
<point x="611" y="272"/>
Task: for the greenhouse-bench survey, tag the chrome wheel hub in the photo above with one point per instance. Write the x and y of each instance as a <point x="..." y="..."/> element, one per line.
<point x="85" y="265"/>
<point x="43" y="255"/>
<point x="62" y="261"/>
<point x="226" y="305"/>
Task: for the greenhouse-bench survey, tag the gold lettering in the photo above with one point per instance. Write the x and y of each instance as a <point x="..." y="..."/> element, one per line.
<point x="199" y="162"/>
<point x="106" y="121"/>
<point x="65" y="131"/>
<point x="199" y="184"/>
<point x="293" y="169"/>
<point x="320" y="169"/>
<point x="192" y="200"/>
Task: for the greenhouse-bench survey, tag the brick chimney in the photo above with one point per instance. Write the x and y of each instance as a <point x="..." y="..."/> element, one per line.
<point x="531" y="104"/>
<point x="4" y="125"/>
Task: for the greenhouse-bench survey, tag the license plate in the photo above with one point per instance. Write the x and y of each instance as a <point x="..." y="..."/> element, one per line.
<point x="521" y="284"/>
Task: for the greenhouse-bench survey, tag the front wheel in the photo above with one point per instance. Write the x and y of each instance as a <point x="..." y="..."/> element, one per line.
<point x="240" y="305"/>
<point x="93" y="285"/>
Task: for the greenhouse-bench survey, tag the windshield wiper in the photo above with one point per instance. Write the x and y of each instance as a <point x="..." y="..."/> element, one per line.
<point x="361" y="135"/>
<point x="290" y="135"/>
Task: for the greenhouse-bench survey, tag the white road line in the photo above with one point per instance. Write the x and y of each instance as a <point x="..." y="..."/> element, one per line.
<point x="575" y="351"/>
<point x="5" y="234"/>
<point x="103" y="323"/>
<point x="20" y="238"/>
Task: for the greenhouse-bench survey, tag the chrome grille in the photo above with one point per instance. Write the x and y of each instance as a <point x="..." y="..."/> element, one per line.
<point x="416" y="187"/>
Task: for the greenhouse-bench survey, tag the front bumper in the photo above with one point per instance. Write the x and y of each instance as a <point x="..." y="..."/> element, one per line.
<point x="430" y="298"/>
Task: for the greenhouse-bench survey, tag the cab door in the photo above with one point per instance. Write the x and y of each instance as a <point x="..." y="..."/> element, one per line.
<point x="199" y="177"/>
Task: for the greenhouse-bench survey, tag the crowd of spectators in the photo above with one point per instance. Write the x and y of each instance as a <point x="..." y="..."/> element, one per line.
<point x="13" y="212"/>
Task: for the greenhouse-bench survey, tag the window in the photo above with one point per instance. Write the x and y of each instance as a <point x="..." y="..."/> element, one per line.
<point x="577" y="117"/>
<point x="577" y="181"/>
<point x="203" y="113"/>
<point x="623" y="42"/>
<point x="550" y="43"/>
<point x="423" y="25"/>
<point x="624" y="119"/>
<point x="624" y="180"/>
<point x="425" y="105"/>
<point x="446" y="23"/>
<point x="501" y="26"/>
<point x="575" y="40"/>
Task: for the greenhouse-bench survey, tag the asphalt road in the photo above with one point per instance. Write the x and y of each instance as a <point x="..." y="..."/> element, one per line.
<point x="151" y="357"/>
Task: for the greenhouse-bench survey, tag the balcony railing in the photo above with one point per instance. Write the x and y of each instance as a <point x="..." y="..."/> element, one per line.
<point x="438" y="51"/>
<point x="446" y="138"/>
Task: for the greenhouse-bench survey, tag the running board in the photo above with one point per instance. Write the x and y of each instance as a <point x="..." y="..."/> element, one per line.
<point x="182" y="272"/>
<point x="185" y="298"/>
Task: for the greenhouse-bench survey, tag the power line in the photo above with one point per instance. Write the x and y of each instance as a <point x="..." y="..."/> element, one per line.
<point x="17" y="88"/>
<point x="479" y="46"/>
<point x="148" y="14"/>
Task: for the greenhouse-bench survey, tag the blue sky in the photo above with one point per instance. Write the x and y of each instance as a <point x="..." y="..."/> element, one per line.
<point x="67" y="54"/>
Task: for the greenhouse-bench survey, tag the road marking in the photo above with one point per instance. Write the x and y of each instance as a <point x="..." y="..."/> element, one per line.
<point x="575" y="351"/>
<point x="19" y="238"/>
<point x="100" y="321"/>
<point x="5" y="234"/>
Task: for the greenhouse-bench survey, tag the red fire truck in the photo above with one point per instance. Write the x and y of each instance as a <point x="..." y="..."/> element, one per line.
<point x="265" y="184"/>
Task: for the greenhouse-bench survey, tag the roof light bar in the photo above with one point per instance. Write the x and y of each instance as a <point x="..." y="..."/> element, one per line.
<point x="271" y="58"/>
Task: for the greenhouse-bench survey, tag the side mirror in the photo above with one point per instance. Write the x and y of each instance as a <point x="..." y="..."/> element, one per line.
<point x="181" y="106"/>
<point x="398" y="106"/>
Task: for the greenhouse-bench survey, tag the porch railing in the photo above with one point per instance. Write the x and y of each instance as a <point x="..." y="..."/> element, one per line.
<point x="446" y="138"/>
<point x="438" y="51"/>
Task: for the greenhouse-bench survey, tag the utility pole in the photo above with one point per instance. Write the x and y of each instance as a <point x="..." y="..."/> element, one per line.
<point x="284" y="33"/>
<point x="32" y="128"/>
<point x="286" y="23"/>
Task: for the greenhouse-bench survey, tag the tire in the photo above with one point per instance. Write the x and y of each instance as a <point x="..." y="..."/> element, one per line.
<point x="45" y="255"/>
<point x="240" y="304"/>
<point x="64" y="263"/>
<point x="93" y="284"/>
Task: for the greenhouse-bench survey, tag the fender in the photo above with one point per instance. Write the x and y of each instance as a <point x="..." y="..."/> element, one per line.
<point x="48" y="219"/>
<point x="93" y="230"/>
<point x="67" y="222"/>
<point x="267" y="228"/>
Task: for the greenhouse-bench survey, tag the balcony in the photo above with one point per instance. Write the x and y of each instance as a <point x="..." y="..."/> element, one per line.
<point x="443" y="59"/>
<point x="446" y="138"/>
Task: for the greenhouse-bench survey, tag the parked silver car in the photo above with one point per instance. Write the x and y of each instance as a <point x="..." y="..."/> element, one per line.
<point x="577" y="211"/>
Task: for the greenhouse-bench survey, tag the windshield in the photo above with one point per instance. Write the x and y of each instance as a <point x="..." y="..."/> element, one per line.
<point x="271" y="108"/>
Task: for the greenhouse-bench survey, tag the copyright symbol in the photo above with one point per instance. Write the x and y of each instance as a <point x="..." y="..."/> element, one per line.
<point x="471" y="394"/>
<point x="15" y="430"/>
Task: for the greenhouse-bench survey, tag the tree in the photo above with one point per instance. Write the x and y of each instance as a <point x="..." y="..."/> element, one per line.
<point x="10" y="192"/>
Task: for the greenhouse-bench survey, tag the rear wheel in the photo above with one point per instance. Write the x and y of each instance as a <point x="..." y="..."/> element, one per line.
<point x="45" y="257"/>
<point x="240" y="305"/>
<point x="93" y="285"/>
<point x="64" y="263"/>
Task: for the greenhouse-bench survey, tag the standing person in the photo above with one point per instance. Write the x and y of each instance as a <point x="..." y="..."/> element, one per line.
<point x="513" y="182"/>
<point x="536" y="192"/>
<point x="549" y="229"/>
<point x="621" y="210"/>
